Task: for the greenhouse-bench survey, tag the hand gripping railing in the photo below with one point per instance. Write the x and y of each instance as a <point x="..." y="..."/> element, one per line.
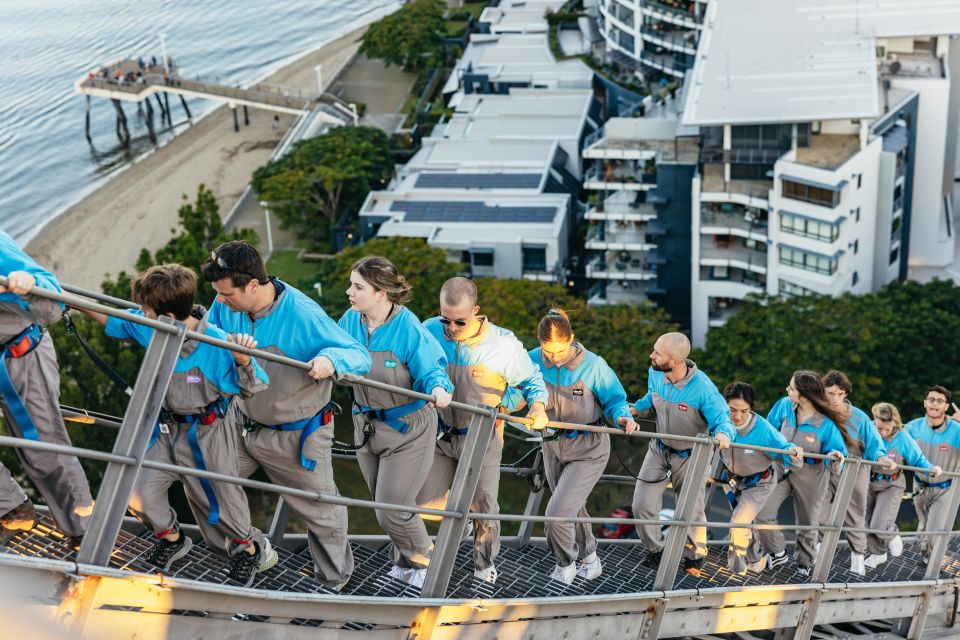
<point x="142" y="412"/>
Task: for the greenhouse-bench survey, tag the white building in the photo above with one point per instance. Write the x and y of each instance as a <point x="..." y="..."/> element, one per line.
<point x="822" y="166"/>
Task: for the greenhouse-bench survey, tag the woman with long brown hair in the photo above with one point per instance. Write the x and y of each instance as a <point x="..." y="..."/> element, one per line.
<point x="806" y="418"/>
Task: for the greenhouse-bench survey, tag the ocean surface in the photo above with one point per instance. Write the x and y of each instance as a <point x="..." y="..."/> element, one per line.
<point x="46" y="163"/>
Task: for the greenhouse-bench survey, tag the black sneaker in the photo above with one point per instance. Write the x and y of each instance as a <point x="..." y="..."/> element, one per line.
<point x="775" y="560"/>
<point x="165" y="553"/>
<point x="652" y="560"/>
<point x="694" y="566"/>
<point x="20" y="518"/>
<point x="245" y="566"/>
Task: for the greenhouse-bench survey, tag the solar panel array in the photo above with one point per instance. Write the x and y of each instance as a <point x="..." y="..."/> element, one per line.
<point x="478" y="180"/>
<point x="462" y="211"/>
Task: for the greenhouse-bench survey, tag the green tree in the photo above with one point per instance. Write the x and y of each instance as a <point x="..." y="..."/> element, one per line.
<point x="412" y="37"/>
<point x="892" y="344"/>
<point x="325" y="179"/>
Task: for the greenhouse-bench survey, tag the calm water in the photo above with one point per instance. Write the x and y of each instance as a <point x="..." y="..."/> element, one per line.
<point x="46" y="45"/>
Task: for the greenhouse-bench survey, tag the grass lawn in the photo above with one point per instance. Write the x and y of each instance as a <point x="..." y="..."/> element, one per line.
<point x="284" y="265"/>
<point x="456" y="27"/>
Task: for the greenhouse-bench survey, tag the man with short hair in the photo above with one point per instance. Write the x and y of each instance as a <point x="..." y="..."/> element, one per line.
<point x="866" y="444"/>
<point x="30" y="399"/>
<point x="687" y="403"/>
<point x="482" y="361"/>
<point x="939" y="439"/>
<point x="288" y="429"/>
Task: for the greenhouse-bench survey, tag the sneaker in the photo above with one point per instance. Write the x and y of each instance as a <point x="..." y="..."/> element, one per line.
<point x="486" y="575"/>
<point x="694" y="566"/>
<point x="857" y="564"/>
<point x="20" y="518"/>
<point x="776" y="559"/>
<point x="245" y="566"/>
<point x="590" y="567"/>
<point x="338" y="586"/>
<point x="564" y="574"/>
<point x="873" y="560"/>
<point x="165" y="553"/>
<point x="803" y="572"/>
<point x="412" y="576"/>
<point x="896" y="546"/>
<point x="652" y="560"/>
<point x="757" y="566"/>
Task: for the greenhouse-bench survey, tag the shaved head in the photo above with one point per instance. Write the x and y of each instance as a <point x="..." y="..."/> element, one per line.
<point x="674" y="344"/>
<point x="458" y="290"/>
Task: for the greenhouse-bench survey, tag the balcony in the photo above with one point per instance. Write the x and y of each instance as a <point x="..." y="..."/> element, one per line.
<point x="733" y="252"/>
<point x="622" y="206"/>
<point x="733" y="219"/>
<point x="757" y="281"/>
<point x="721" y="309"/>
<point x="621" y="236"/>
<point x="614" y="292"/>
<point x="684" y="41"/>
<point x="621" y="265"/>
<point x="666" y="63"/>
<point x="616" y="176"/>
<point x="674" y="12"/>
<point x="713" y="188"/>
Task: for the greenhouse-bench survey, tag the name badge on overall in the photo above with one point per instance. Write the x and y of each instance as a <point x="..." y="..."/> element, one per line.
<point x="389" y="364"/>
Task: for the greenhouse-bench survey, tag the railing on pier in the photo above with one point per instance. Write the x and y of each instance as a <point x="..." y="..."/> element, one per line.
<point x="655" y="612"/>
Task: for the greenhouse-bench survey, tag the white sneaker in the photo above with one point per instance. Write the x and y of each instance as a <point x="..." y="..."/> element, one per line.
<point x="896" y="546"/>
<point x="873" y="560"/>
<point x="486" y="575"/>
<point x="564" y="574"/>
<point x="803" y="573"/>
<point x="590" y="567"/>
<point x="857" y="564"/>
<point x="776" y="560"/>
<point x="757" y="566"/>
<point x="411" y="575"/>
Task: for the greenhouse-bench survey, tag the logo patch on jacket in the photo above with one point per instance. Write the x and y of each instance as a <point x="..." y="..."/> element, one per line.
<point x="810" y="438"/>
<point x="390" y="364"/>
<point x="578" y="392"/>
<point x="944" y="447"/>
<point x="683" y="406"/>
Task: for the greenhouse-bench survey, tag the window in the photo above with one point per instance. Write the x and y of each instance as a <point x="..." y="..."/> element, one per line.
<point x="808" y="261"/>
<point x="859" y="180"/>
<point x="808" y="228"/>
<point x="803" y="134"/>
<point x="481" y="257"/>
<point x="813" y="195"/>
<point x="789" y="289"/>
<point x="895" y="227"/>
<point x="894" y="254"/>
<point x="856" y="214"/>
<point x="534" y="257"/>
<point x="856" y="278"/>
<point x="856" y="246"/>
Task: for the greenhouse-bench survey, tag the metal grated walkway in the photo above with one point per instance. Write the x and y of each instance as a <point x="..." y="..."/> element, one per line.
<point x="523" y="571"/>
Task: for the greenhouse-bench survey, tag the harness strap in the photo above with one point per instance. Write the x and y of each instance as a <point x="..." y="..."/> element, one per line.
<point x="306" y="427"/>
<point x="17" y="347"/>
<point x="390" y="417"/>
<point x="934" y="485"/>
<point x="683" y="453"/>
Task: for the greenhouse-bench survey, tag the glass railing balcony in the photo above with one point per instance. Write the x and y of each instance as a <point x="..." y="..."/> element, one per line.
<point x="682" y="13"/>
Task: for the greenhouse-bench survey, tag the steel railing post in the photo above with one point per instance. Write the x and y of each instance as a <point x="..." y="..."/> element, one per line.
<point x="828" y="545"/>
<point x="278" y="525"/>
<point x="462" y="489"/>
<point x="138" y="423"/>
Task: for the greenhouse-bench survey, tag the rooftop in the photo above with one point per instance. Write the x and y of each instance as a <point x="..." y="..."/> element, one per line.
<point x="712" y="182"/>
<point x="828" y="151"/>
<point x="800" y="60"/>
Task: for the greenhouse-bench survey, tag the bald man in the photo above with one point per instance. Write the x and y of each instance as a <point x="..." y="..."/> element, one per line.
<point x="482" y="359"/>
<point x="687" y="403"/>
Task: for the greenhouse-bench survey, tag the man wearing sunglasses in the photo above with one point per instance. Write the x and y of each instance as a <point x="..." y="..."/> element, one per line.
<point x="483" y="360"/>
<point x="939" y="439"/>
<point x="289" y="427"/>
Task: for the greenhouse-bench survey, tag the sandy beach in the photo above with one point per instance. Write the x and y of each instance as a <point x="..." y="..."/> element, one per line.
<point x="104" y="233"/>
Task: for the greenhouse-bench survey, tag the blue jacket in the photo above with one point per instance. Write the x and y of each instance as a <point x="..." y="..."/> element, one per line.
<point x="295" y="326"/>
<point x="819" y="434"/>
<point x="481" y="368"/>
<point x="941" y="446"/>
<point x="403" y="354"/>
<point x="757" y="432"/>
<point x="203" y="373"/>
<point x="690" y="407"/>
<point x="863" y="432"/>
<point x="16" y="313"/>
<point x="582" y="389"/>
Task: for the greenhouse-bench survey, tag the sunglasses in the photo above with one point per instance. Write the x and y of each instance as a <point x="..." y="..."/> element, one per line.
<point x="223" y="264"/>
<point x="447" y="322"/>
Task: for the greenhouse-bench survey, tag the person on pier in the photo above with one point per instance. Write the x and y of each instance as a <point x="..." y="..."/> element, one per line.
<point x="289" y="427"/>
<point x="30" y="400"/>
<point x="583" y="389"/>
<point x="482" y="360"/>
<point x="687" y="403"/>
<point x="396" y="434"/>
<point x="806" y="418"/>
<point x="197" y="428"/>
<point x="885" y="490"/>
<point x="750" y="474"/>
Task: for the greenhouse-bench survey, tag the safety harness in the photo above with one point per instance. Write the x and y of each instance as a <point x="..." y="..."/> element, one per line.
<point x="17" y="347"/>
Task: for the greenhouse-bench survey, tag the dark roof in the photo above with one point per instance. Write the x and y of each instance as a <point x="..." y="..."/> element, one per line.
<point x="456" y="211"/>
<point x="478" y="180"/>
